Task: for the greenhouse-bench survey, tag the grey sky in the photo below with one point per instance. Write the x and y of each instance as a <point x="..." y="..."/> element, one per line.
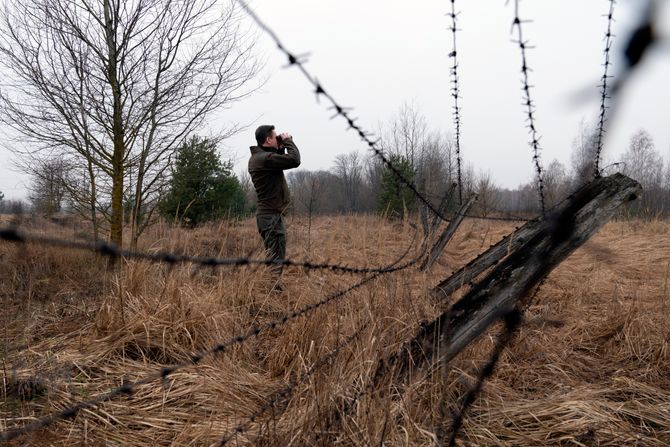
<point x="373" y="55"/>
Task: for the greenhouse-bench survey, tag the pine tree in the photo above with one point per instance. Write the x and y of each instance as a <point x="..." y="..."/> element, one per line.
<point x="395" y="196"/>
<point x="202" y="187"/>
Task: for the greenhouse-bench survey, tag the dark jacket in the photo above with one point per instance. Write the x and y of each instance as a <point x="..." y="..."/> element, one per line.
<point x="266" y="167"/>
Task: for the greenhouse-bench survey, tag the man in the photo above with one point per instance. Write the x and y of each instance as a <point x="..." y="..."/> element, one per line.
<point x="266" y="167"/>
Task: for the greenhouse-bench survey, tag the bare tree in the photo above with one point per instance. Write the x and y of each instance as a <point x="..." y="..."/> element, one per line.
<point x="644" y="163"/>
<point x="405" y="133"/>
<point x="349" y="170"/>
<point x="429" y="153"/>
<point x="119" y="84"/>
<point x="584" y="147"/>
<point x="47" y="189"/>
<point x="436" y="167"/>
<point x="15" y="207"/>
<point x="486" y="194"/>
<point x="555" y="182"/>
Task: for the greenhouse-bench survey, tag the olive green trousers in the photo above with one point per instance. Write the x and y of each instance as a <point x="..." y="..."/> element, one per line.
<point x="272" y="230"/>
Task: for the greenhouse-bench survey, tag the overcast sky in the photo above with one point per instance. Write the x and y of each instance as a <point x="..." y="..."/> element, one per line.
<point x="373" y="55"/>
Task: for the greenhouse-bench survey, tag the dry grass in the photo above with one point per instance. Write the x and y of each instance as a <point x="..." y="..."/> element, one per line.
<point x="589" y="367"/>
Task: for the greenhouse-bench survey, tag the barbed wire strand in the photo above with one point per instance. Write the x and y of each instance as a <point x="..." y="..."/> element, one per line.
<point x="455" y="93"/>
<point x="288" y="390"/>
<point x="509" y="216"/>
<point x="528" y="103"/>
<point x="163" y="373"/>
<point x="344" y="112"/>
<point x="14" y="235"/>
<point x="604" y="92"/>
<point x="498" y="218"/>
<point x="512" y="320"/>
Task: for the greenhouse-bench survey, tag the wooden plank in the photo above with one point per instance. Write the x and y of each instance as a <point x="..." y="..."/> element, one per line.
<point x="446" y="235"/>
<point x="442" y="209"/>
<point x="489" y="258"/>
<point x="557" y="237"/>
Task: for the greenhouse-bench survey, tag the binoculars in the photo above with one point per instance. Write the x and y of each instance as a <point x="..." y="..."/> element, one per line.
<point x="280" y="139"/>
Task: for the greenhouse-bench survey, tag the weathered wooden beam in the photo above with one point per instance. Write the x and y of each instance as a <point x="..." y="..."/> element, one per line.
<point x="446" y="235"/>
<point x="557" y="237"/>
<point x="490" y="257"/>
<point x="442" y="209"/>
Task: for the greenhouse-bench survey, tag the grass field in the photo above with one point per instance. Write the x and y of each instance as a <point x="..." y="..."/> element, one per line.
<point x="590" y="365"/>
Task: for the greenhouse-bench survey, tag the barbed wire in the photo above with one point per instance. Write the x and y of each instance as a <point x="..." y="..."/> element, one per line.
<point x="506" y="239"/>
<point x="604" y="92"/>
<point x="508" y="218"/>
<point x="14" y="235"/>
<point x="498" y="218"/>
<point x="344" y="112"/>
<point x="512" y="320"/>
<point x="253" y="331"/>
<point x="455" y="93"/>
<point x="528" y="102"/>
<point x="288" y="390"/>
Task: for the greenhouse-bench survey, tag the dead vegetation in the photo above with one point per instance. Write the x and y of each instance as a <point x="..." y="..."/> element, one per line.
<point x="589" y="367"/>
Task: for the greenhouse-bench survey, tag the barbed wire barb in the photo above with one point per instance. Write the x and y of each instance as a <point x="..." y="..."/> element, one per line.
<point x="287" y="391"/>
<point x="512" y="320"/>
<point x="14" y="235"/>
<point x="528" y="103"/>
<point x="340" y="111"/>
<point x="456" y="95"/>
<point x="194" y="359"/>
<point x="604" y="91"/>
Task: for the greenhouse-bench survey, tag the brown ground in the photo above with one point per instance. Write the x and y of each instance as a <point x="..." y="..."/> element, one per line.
<point x="590" y="365"/>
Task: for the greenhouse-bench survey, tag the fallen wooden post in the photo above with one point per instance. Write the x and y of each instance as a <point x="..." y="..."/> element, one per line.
<point x="442" y="209"/>
<point x="446" y="235"/>
<point x="555" y="239"/>
<point x="490" y="257"/>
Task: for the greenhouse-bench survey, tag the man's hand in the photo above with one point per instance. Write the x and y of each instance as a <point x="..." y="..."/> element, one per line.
<point x="285" y="136"/>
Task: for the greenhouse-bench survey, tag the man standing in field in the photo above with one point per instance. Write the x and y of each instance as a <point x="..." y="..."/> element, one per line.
<point x="269" y="159"/>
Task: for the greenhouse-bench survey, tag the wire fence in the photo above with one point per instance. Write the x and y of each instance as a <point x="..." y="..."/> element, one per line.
<point x="110" y="250"/>
<point x="287" y="391"/>
<point x="512" y="319"/>
<point x="455" y="94"/>
<point x="220" y="348"/>
<point x="341" y="111"/>
<point x="528" y="102"/>
<point x="604" y="91"/>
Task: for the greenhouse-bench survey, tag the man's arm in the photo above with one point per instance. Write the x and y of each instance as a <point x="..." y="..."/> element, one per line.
<point x="289" y="160"/>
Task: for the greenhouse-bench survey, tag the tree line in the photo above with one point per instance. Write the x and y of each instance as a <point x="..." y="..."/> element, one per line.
<point x="360" y="183"/>
<point x="200" y="186"/>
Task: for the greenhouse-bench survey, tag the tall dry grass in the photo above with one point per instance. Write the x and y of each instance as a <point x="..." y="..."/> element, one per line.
<point x="589" y="366"/>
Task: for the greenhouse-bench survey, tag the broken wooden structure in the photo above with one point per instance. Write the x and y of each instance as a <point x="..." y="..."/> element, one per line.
<point x="530" y="254"/>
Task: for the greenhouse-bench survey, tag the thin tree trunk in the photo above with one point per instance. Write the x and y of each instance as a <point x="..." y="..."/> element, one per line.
<point x="93" y="198"/>
<point x="116" y="230"/>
